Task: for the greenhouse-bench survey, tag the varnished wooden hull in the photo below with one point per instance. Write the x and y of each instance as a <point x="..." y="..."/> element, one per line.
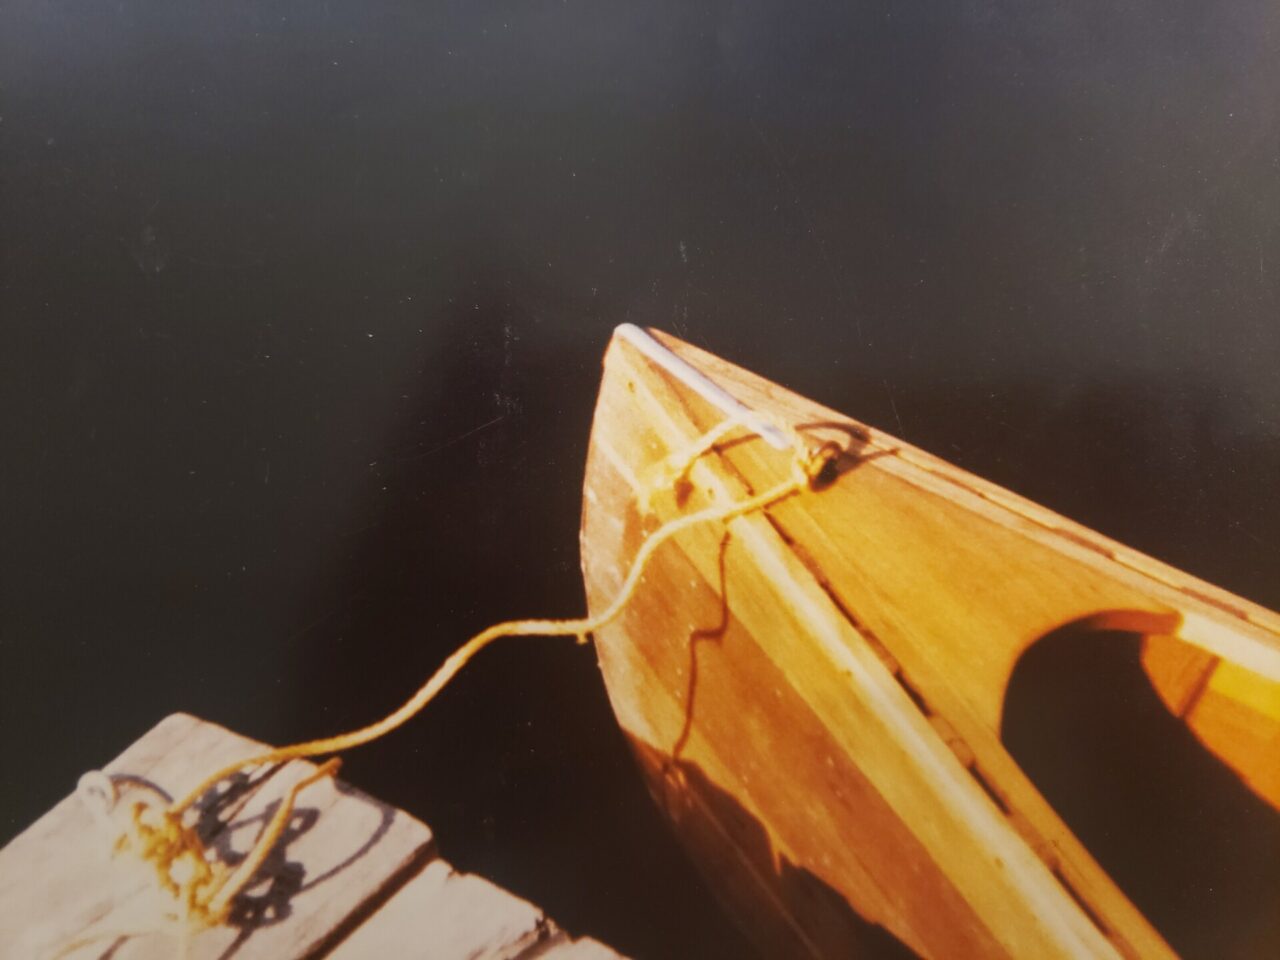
<point x="816" y="692"/>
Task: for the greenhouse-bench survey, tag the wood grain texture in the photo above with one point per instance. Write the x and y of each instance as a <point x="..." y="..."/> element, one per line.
<point x="444" y="915"/>
<point x="817" y="699"/>
<point x="351" y="878"/>
<point x="58" y="884"/>
<point x="460" y="917"/>
<point x="560" y="947"/>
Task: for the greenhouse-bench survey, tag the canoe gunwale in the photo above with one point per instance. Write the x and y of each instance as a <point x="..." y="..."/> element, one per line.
<point x="1247" y="634"/>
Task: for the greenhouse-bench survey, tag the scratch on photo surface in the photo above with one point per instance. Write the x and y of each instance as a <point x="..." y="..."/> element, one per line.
<point x="458" y="439"/>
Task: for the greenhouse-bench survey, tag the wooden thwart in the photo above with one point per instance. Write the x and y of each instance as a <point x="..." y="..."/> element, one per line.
<point x="351" y="877"/>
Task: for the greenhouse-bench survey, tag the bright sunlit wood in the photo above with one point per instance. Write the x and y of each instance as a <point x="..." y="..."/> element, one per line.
<point x="818" y="695"/>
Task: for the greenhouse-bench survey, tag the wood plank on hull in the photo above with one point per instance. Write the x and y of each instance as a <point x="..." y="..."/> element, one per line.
<point x="708" y="677"/>
<point x="941" y="582"/>
<point x="893" y="571"/>
<point x="635" y="402"/>
<point x="922" y="469"/>
<point x="956" y="578"/>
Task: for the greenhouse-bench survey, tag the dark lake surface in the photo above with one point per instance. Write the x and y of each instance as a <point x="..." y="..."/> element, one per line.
<point x="302" y="307"/>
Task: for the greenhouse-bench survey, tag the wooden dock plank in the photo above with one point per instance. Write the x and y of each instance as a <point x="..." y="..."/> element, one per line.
<point x="454" y="916"/>
<point x="55" y="878"/>
<point x="445" y="915"/>
<point x="58" y="884"/>
<point x="351" y="877"/>
<point x="562" y="948"/>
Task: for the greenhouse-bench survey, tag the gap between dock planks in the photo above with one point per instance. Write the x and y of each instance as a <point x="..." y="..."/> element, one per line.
<point x="351" y="878"/>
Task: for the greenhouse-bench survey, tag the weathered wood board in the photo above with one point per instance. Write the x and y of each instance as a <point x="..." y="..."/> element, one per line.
<point x="471" y="918"/>
<point x="352" y="878"/>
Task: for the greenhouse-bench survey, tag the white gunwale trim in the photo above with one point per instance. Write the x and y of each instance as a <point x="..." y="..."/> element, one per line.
<point x="704" y="387"/>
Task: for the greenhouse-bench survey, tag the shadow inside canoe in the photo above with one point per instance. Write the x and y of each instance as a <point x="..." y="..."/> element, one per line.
<point x="1191" y="845"/>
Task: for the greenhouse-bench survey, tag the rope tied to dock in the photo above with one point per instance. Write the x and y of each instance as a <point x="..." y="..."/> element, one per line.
<point x="165" y="834"/>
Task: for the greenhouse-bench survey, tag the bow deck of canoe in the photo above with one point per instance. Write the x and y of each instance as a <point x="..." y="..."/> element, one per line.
<point x="822" y="695"/>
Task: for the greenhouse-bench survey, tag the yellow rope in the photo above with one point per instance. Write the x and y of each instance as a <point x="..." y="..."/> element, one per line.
<point x="205" y="889"/>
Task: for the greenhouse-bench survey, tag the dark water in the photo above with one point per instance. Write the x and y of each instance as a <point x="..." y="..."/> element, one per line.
<point x="302" y="306"/>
